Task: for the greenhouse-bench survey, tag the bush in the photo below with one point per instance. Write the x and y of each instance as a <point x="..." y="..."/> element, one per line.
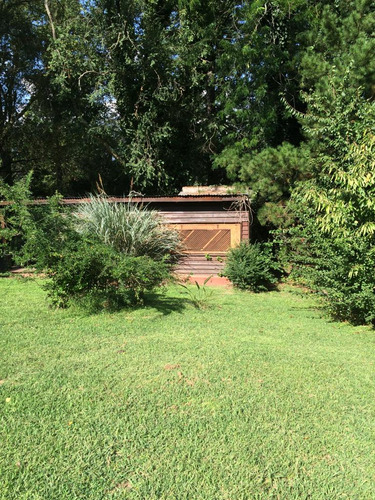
<point x="14" y="215"/>
<point x="48" y="231"/>
<point x="344" y="275"/>
<point x="251" y="266"/>
<point x="107" y="259"/>
<point x="128" y="228"/>
<point x="32" y="234"/>
<point x="95" y="276"/>
<point x="339" y="269"/>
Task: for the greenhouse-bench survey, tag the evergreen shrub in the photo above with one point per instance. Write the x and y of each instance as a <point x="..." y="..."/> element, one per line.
<point x="13" y="217"/>
<point x="47" y="232"/>
<point x="252" y="266"/>
<point x="105" y="256"/>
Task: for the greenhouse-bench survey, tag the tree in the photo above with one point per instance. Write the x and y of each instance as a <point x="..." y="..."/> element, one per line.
<point x="338" y="72"/>
<point x="68" y="112"/>
<point x="20" y="48"/>
<point x="340" y="125"/>
<point x="341" y="35"/>
<point x="335" y="226"/>
<point x="262" y="63"/>
<point x="164" y="83"/>
<point x="260" y="137"/>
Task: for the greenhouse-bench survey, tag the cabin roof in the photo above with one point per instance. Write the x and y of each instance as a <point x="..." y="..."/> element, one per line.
<point x="161" y="199"/>
<point x="143" y="199"/>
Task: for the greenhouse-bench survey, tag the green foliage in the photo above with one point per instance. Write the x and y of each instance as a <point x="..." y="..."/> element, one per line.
<point x="340" y="127"/>
<point x="335" y="209"/>
<point x="344" y="275"/>
<point x="339" y="269"/>
<point x="20" y="48"/>
<point x="262" y="62"/>
<point x="33" y="234"/>
<point x="271" y="176"/>
<point x="345" y="199"/>
<point x="128" y="228"/>
<point x="14" y="216"/>
<point x="95" y="276"/>
<point x="49" y="229"/>
<point x="199" y="295"/>
<point x="340" y="36"/>
<point x="251" y="266"/>
<point x="146" y="93"/>
<point x="108" y="270"/>
<point x="165" y="79"/>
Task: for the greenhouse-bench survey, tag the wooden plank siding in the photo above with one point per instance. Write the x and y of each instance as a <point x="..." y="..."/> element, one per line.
<point x="197" y="264"/>
<point x="245" y="230"/>
<point x="204" y="217"/>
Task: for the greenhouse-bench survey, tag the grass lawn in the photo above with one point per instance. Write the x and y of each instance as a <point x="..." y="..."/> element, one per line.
<point x="258" y="397"/>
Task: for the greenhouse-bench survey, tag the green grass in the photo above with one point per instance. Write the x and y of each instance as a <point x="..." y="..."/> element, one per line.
<point x="258" y="397"/>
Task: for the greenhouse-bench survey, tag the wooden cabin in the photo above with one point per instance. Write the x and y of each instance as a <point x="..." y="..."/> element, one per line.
<point x="209" y="225"/>
<point x="209" y="221"/>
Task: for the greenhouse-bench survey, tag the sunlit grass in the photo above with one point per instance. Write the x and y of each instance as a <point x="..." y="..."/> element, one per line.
<point x="259" y="396"/>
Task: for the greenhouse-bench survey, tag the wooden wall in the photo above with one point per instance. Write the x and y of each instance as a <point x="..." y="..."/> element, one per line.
<point x="204" y="214"/>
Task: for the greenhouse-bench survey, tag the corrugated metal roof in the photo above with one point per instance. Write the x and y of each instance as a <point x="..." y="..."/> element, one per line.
<point x="144" y="199"/>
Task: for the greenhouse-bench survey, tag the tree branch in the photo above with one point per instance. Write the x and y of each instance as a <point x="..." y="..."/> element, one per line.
<point x="50" y="19"/>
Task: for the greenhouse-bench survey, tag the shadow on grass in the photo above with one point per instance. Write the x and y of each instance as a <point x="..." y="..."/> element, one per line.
<point x="164" y="304"/>
<point x="161" y="303"/>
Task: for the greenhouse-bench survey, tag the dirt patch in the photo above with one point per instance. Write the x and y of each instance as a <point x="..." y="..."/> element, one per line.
<point x="25" y="272"/>
<point x="188" y="381"/>
<point x="125" y="485"/>
<point x="191" y="382"/>
<point x="169" y="367"/>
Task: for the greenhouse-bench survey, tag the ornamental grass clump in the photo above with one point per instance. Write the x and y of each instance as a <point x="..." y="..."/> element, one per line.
<point x="128" y="228"/>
